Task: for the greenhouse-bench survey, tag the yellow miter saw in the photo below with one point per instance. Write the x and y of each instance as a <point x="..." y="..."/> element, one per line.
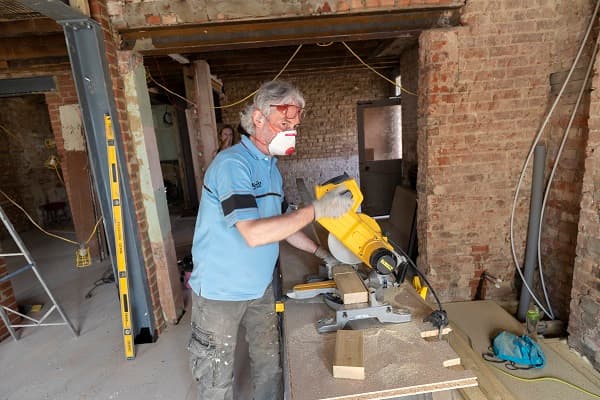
<point x="355" y="238"/>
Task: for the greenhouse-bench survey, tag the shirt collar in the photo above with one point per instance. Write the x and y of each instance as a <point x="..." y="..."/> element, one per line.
<point x="253" y="150"/>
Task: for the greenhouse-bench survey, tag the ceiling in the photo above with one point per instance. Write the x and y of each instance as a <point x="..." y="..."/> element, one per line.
<point x="29" y="40"/>
<point x="382" y="55"/>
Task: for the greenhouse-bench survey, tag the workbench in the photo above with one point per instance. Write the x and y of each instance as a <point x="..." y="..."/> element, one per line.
<point x="400" y="359"/>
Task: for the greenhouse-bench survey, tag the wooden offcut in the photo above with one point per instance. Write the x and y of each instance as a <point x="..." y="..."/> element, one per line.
<point x="351" y="288"/>
<point x="349" y="359"/>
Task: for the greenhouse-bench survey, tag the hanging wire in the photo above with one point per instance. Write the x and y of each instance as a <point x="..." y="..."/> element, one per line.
<point x="276" y="76"/>
<point x="45" y="231"/>
<point x="169" y="90"/>
<point x="377" y="73"/>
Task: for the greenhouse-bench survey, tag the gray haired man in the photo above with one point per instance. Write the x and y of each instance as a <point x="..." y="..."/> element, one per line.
<point x="236" y="245"/>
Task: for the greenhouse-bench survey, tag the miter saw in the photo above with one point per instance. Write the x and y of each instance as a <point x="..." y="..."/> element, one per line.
<point x="356" y="239"/>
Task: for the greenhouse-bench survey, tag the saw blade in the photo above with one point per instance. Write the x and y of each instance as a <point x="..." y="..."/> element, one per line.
<point x="341" y="252"/>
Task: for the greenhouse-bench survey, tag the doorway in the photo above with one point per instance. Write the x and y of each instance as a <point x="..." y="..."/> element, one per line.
<point x="379" y="124"/>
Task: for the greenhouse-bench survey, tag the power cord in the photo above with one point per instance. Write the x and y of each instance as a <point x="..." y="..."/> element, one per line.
<point x="439" y="317"/>
<point x="552" y="379"/>
<point x="107" y="277"/>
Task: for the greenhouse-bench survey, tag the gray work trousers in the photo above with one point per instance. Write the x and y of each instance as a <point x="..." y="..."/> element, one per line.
<point x="215" y="326"/>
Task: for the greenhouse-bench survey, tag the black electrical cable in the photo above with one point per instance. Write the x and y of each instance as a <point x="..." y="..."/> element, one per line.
<point x="438" y="318"/>
<point x="107" y="277"/>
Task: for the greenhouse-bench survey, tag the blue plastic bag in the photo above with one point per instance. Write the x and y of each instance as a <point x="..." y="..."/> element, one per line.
<point x="519" y="350"/>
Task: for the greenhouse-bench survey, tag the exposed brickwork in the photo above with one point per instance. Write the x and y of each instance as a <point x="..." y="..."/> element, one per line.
<point x="585" y="296"/>
<point x="99" y="12"/>
<point x="25" y="127"/>
<point x="78" y="190"/>
<point x="7" y="299"/>
<point x="559" y="236"/>
<point x="485" y="88"/>
<point x="137" y="14"/>
<point x="328" y="129"/>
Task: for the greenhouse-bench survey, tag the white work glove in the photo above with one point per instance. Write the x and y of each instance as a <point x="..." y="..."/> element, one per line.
<point x="326" y="256"/>
<point x="334" y="203"/>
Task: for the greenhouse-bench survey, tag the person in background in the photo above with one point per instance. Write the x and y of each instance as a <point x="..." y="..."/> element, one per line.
<point x="225" y="137"/>
<point x="236" y="246"/>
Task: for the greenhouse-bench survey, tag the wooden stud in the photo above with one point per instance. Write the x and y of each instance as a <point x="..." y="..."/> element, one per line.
<point x="350" y="287"/>
<point x="349" y="360"/>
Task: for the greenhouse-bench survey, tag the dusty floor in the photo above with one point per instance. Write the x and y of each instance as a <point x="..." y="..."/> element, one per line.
<point x="50" y="363"/>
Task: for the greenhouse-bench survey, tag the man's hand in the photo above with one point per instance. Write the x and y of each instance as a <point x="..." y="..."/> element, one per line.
<point x="326" y="256"/>
<point x="334" y="203"/>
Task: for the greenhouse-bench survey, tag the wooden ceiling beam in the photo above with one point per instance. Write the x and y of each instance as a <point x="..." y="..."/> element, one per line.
<point x="281" y="32"/>
<point x="29" y="27"/>
<point x="33" y="47"/>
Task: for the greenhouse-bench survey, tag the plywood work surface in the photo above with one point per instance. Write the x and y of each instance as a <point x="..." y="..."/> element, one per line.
<point x="398" y="361"/>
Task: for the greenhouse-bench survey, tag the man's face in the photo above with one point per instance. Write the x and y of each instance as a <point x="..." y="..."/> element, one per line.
<point x="283" y="117"/>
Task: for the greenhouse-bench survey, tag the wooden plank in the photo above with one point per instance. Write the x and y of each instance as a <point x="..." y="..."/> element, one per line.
<point x="209" y="143"/>
<point x="81" y="5"/>
<point x="349" y="361"/>
<point x="27" y="27"/>
<point x="33" y="47"/>
<point x="351" y="288"/>
<point x="489" y="385"/>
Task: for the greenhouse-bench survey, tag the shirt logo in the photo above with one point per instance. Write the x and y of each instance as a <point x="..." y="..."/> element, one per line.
<point x="256" y="184"/>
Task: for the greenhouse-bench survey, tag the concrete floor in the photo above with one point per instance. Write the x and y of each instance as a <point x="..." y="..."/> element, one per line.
<point x="50" y="363"/>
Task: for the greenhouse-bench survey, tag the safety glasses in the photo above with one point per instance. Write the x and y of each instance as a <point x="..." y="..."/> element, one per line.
<point x="290" y="111"/>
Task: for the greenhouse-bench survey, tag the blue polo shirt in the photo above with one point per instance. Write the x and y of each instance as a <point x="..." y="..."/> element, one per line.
<point x="240" y="184"/>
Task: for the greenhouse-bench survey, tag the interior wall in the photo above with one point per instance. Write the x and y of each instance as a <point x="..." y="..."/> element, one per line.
<point x="484" y="92"/>
<point x="23" y="175"/>
<point x="585" y="296"/>
<point x="327" y="142"/>
<point x="561" y="216"/>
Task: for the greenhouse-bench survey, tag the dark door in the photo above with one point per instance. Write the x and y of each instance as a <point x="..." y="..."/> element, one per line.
<point x="379" y="153"/>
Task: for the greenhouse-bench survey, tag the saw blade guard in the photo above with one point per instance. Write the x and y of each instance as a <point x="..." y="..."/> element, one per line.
<point x="360" y="234"/>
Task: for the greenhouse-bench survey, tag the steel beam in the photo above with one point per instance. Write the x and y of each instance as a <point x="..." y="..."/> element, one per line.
<point x="94" y="89"/>
<point x="54" y="9"/>
<point x="285" y="31"/>
<point x="20" y="86"/>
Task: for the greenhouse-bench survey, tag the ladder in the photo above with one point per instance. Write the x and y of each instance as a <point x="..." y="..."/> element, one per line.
<point x="31" y="265"/>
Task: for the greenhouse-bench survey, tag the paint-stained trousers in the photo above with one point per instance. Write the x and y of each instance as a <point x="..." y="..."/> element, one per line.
<point x="215" y="326"/>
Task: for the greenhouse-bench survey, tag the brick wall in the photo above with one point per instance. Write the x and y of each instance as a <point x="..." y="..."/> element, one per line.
<point x="484" y="89"/>
<point x="327" y="144"/>
<point x="409" y="73"/>
<point x="559" y="235"/>
<point x="585" y="297"/>
<point x="7" y="299"/>
<point x="99" y="12"/>
<point x="134" y="14"/>
<point x="25" y="127"/>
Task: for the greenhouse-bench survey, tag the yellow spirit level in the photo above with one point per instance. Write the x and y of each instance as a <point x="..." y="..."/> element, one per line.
<point x="119" y="239"/>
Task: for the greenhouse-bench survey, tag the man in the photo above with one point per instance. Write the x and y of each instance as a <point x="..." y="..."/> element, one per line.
<point x="235" y="247"/>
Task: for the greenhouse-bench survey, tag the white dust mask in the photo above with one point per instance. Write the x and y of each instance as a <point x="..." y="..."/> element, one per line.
<point x="283" y="144"/>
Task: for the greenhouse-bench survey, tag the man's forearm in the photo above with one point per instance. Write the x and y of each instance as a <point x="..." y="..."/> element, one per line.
<point x="301" y="241"/>
<point x="274" y="229"/>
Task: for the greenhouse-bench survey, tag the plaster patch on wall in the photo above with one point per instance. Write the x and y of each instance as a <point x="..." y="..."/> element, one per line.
<point x="71" y="126"/>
